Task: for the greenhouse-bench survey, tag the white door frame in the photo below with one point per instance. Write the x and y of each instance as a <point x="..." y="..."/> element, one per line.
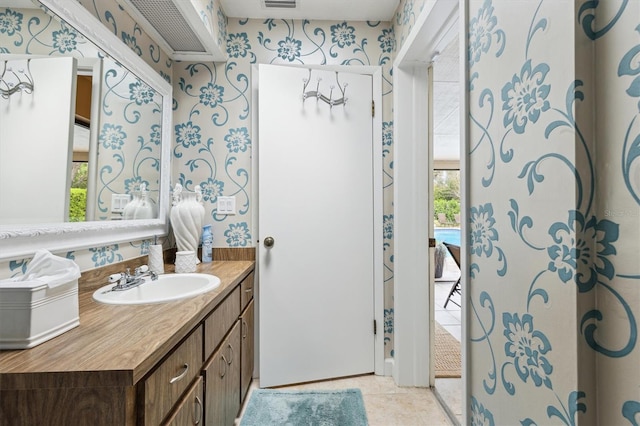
<point x="434" y="28"/>
<point x="378" y="249"/>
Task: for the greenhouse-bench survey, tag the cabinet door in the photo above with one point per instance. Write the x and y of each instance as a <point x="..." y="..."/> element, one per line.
<point x="190" y="410"/>
<point x="222" y="381"/>
<point x="233" y="350"/>
<point x="246" y="350"/>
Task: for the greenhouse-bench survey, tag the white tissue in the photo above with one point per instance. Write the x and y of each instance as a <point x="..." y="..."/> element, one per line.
<point x="49" y="269"/>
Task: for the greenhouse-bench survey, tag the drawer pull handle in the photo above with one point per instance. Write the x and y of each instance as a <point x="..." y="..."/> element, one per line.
<point x="199" y="411"/>
<point x="181" y="375"/>
<point x="245" y="327"/>
<point x="249" y="290"/>
<point x="230" y="355"/>
<point x="223" y="371"/>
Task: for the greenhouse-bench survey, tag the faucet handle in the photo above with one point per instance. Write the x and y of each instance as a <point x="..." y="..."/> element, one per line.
<point x="114" y="278"/>
<point x="141" y="269"/>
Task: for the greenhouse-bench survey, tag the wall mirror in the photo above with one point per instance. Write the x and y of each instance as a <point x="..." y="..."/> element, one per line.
<point x="126" y="130"/>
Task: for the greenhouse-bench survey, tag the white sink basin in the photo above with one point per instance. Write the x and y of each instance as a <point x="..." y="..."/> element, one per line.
<point x="166" y="288"/>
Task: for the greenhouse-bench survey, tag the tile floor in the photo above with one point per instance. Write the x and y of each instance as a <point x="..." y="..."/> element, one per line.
<point x="390" y="405"/>
<point x="385" y="403"/>
<point x="449" y="391"/>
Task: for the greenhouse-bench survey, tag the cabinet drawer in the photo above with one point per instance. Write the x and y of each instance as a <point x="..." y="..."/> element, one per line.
<point x="246" y="291"/>
<point x="172" y="377"/>
<point x="220" y="321"/>
<point x="190" y="411"/>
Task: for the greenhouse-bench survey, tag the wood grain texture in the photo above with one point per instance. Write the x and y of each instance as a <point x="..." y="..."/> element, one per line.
<point x="190" y="410"/>
<point x="220" y="321"/>
<point x="234" y="253"/>
<point x="222" y="381"/>
<point x="115" y="345"/>
<point x="163" y="388"/>
<point x="247" y="349"/>
<point x="246" y="291"/>
<point x="82" y="406"/>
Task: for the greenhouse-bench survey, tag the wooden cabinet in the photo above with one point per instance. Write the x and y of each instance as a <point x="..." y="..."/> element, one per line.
<point x="162" y="389"/>
<point x="218" y="324"/>
<point x="229" y="370"/>
<point x="177" y="363"/>
<point x="247" y="351"/>
<point x="190" y="410"/>
<point x="222" y="381"/>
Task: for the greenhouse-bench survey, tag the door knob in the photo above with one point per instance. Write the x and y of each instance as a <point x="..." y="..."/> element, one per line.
<point x="269" y="242"/>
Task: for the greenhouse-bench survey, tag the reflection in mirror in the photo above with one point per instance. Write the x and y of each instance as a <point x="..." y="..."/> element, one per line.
<point x="44" y="176"/>
<point x="129" y="133"/>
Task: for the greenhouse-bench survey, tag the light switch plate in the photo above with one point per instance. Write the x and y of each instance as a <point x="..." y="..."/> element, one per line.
<point x="227" y="205"/>
<point x="118" y="202"/>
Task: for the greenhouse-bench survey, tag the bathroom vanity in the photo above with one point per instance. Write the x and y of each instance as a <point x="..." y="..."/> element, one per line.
<point x="183" y="362"/>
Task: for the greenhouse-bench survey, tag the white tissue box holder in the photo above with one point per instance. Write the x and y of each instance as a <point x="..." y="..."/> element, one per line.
<point x="32" y="313"/>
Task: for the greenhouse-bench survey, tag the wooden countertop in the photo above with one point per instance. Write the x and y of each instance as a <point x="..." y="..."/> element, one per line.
<point x="116" y="345"/>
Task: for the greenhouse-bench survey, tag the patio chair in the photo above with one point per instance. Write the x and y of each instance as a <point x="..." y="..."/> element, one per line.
<point x="442" y="218"/>
<point x="456" y="287"/>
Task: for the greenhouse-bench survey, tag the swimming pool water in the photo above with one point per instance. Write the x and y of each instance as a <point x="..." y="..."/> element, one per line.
<point x="449" y="235"/>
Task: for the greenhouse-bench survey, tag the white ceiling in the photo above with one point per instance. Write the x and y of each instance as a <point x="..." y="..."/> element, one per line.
<point x="446" y="103"/>
<point x="334" y="10"/>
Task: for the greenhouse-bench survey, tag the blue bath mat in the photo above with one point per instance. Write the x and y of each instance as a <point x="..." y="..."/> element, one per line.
<point x="309" y="408"/>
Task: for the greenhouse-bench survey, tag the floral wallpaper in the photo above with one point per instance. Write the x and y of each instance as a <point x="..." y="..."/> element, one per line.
<point x="405" y="18"/>
<point x="212" y="118"/>
<point x="554" y="212"/>
<point x="214" y="20"/>
<point x="129" y="111"/>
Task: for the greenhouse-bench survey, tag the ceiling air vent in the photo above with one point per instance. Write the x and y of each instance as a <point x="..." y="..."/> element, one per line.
<point x="281" y="4"/>
<point x="165" y="17"/>
<point x="177" y="27"/>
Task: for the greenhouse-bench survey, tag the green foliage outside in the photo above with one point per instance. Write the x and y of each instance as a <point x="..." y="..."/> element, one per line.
<point x="77" y="204"/>
<point x="79" y="174"/>
<point x="446" y="192"/>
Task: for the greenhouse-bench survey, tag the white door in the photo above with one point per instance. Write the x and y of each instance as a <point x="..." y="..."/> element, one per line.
<point x="35" y="157"/>
<point x="316" y="289"/>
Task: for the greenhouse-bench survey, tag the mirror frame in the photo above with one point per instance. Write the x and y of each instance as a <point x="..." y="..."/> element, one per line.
<point x="23" y="240"/>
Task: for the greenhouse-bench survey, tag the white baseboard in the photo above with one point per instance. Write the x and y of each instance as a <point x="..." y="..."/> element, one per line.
<point x="388" y="366"/>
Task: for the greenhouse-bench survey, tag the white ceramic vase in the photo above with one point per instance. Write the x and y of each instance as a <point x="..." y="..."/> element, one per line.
<point x="187" y="216"/>
<point x="146" y="208"/>
<point x="130" y="209"/>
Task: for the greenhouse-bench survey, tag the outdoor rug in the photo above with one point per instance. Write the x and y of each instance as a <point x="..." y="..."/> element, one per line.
<point x="309" y="408"/>
<point x="448" y="359"/>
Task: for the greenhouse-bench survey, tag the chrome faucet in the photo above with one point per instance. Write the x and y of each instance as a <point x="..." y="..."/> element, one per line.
<point x="126" y="281"/>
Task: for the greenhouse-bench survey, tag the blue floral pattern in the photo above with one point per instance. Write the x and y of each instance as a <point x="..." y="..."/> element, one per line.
<point x="187" y="134"/>
<point x="527" y="347"/>
<point x="483" y="233"/>
<point x="343" y="35"/>
<point x="289" y="49"/>
<point x="480" y="416"/>
<point x="480" y="32"/>
<point x="10" y="22"/>
<point x="141" y="94"/>
<point x="557" y="157"/>
<point x="211" y="95"/>
<point x="238" y="140"/>
<point x="238" y="235"/>
<point x="525" y="97"/>
<point x="112" y="136"/>
<point x="573" y="249"/>
<point x="65" y="40"/>
<point x="238" y="45"/>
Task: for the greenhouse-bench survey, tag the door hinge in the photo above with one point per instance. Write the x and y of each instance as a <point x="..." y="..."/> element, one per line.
<point x="373" y="108"/>
<point x="375" y="327"/>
